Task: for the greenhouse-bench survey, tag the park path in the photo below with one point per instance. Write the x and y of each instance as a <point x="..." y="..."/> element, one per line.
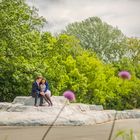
<point x="94" y="132"/>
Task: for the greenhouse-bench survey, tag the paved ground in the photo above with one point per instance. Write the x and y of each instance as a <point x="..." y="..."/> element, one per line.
<point x="95" y="132"/>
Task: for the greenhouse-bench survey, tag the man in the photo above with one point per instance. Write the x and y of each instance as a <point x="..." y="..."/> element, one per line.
<point x="36" y="91"/>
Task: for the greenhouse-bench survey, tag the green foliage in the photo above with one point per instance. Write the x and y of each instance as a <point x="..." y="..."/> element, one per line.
<point x="108" y="42"/>
<point x="125" y="135"/>
<point x="19" y="39"/>
<point x="25" y="52"/>
<point x="134" y="49"/>
<point x="68" y="66"/>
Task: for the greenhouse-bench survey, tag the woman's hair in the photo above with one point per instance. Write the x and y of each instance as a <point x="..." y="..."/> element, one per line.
<point x="43" y="79"/>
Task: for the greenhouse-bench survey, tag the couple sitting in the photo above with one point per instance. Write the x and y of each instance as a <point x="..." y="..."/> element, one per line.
<point x="40" y="90"/>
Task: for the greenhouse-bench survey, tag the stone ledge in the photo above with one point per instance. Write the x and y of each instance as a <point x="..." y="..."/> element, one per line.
<point x="22" y="112"/>
<point x="29" y="101"/>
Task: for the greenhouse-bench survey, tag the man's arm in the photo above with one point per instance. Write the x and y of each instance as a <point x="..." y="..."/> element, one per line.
<point x="35" y="88"/>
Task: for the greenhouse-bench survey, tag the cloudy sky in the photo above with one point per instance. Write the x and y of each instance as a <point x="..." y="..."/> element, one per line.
<point x="125" y="14"/>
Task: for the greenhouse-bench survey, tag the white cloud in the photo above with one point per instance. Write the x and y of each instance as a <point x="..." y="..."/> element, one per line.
<point x="121" y="13"/>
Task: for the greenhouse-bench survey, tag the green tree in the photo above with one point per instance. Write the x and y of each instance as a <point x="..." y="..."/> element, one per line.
<point x="26" y="52"/>
<point x="134" y="49"/>
<point x="108" y="42"/>
<point x="19" y="49"/>
<point x="59" y="57"/>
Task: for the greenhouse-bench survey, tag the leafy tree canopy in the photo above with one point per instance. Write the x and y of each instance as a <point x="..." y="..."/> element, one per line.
<point x="108" y="42"/>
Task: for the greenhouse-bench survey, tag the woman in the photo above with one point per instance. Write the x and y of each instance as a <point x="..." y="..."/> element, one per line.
<point x="45" y="89"/>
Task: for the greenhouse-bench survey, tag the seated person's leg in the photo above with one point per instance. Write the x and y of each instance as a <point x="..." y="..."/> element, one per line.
<point x="42" y="95"/>
<point x="48" y="97"/>
<point x="41" y="100"/>
<point x="36" y="97"/>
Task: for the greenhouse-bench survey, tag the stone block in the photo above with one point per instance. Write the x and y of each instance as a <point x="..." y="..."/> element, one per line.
<point x="23" y="112"/>
<point x="24" y="100"/>
<point x="29" y="100"/>
<point x="96" y="107"/>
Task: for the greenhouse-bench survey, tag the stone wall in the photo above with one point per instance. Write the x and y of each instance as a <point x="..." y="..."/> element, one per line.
<point x="22" y="112"/>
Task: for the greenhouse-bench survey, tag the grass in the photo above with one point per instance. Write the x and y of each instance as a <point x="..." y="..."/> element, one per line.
<point x="123" y="135"/>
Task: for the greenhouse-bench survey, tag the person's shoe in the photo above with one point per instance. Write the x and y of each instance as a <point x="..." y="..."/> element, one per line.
<point x="42" y="105"/>
<point x="50" y="104"/>
<point x="36" y="105"/>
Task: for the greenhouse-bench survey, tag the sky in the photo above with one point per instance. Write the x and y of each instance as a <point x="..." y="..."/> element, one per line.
<point x="124" y="14"/>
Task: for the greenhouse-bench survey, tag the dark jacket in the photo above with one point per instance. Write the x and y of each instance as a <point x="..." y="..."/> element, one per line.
<point x="35" y="89"/>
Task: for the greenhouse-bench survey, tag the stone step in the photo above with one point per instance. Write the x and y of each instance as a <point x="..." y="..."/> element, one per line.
<point x="29" y="101"/>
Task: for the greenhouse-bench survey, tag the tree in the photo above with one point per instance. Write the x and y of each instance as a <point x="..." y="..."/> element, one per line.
<point x="19" y="49"/>
<point x="26" y="52"/>
<point x="134" y="49"/>
<point x="108" y="42"/>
